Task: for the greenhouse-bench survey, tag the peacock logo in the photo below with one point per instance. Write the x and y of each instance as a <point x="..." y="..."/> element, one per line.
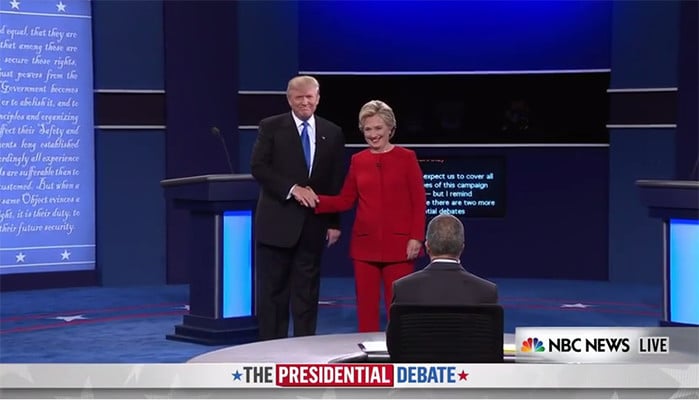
<point x="533" y="345"/>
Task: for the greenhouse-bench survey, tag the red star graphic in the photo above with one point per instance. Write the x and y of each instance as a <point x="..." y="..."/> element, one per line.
<point x="463" y="376"/>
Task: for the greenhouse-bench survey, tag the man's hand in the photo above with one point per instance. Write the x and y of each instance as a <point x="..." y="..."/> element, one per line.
<point x="310" y="189"/>
<point x="332" y="236"/>
<point x="304" y="196"/>
<point x="413" y="249"/>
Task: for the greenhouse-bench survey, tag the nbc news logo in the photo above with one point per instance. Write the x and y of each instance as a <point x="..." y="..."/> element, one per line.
<point x="577" y="345"/>
<point x="532" y="345"/>
<point x="592" y="344"/>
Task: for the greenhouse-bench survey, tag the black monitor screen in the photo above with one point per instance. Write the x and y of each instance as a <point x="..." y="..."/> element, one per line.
<point x="464" y="186"/>
<point x="464" y="109"/>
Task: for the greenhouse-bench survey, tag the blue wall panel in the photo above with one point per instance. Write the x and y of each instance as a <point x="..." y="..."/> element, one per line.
<point x="130" y="207"/>
<point x="201" y="75"/>
<point x="687" y="139"/>
<point x="645" y="36"/>
<point x="268" y="44"/>
<point x="556" y="223"/>
<point x="128" y="44"/>
<point x="635" y="240"/>
<point x="645" y="44"/>
<point x="453" y="35"/>
<point x="246" y="140"/>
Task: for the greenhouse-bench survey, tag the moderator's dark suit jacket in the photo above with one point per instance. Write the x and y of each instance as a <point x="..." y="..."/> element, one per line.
<point x="277" y="163"/>
<point x="441" y="283"/>
<point x="444" y="283"/>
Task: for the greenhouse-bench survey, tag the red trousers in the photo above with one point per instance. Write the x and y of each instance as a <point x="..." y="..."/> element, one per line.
<point x="367" y="283"/>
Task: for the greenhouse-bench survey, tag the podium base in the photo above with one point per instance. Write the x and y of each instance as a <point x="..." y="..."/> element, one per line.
<point x="672" y="323"/>
<point x="214" y="332"/>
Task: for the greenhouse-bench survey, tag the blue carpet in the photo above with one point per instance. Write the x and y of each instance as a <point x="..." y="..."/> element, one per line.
<point x="128" y="325"/>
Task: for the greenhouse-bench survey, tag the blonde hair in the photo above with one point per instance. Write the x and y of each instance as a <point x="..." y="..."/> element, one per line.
<point x="377" y="107"/>
<point x="302" y="82"/>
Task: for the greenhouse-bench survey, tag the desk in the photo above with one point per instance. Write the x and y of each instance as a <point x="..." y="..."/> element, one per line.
<point x="317" y="349"/>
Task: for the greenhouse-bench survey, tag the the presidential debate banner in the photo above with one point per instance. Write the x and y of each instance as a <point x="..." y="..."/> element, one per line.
<point x="348" y="376"/>
<point x="47" y="207"/>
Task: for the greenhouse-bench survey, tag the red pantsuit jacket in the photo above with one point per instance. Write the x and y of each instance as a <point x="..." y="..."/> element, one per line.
<point x="390" y="195"/>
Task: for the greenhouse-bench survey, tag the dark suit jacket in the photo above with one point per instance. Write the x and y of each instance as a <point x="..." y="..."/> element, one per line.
<point x="277" y="162"/>
<point x="444" y="283"/>
<point x="441" y="283"/>
<point x="390" y="197"/>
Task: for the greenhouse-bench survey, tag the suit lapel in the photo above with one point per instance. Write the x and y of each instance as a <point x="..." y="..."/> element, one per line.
<point x="296" y="148"/>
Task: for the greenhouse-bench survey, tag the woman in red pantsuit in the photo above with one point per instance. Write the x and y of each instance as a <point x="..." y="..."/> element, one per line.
<point x="385" y="181"/>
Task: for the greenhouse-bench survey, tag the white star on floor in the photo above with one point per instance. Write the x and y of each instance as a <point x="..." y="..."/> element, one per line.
<point x="16" y="372"/>
<point x="682" y="375"/>
<point x="70" y="318"/>
<point x="61" y="7"/>
<point x="86" y="392"/>
<point x="175" y="384"/>
<point x="15" y="4"/>
<point x="576" y="305"/>
<point x="20" y="257"/>
<point x="65" y="255"/>
<point x="326" y="302"/>
<point x="184" y="307"/>
<point x="134" y="374"/>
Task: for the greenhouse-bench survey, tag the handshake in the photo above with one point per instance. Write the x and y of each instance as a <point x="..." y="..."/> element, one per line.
<point x="305" y="196"/>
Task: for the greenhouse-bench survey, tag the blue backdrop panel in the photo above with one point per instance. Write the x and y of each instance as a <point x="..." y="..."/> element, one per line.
<point x="645" y="44"/>
<point x="555" y="223"/>
<point x="201" y="76"/>
<point x="684" y="271"/>
<point x="128" y="55"/>
<point x="47" y="220"/>
<point x="634" y="253"/>
<point x="237" y="264"/>
<point x="453" y="35"/>
<point x="130" y="207"/>
<point x="267" y="44"/>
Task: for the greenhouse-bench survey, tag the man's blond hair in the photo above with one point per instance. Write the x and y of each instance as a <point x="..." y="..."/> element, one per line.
<point x="302" y="82"/>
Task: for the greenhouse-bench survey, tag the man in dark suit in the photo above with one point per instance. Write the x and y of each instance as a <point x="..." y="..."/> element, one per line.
<point x="294" y="151"/>
<point x="444" y="281"/>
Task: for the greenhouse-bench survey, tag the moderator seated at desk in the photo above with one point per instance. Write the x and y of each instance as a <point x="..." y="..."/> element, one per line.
<point x="320" y="349"/>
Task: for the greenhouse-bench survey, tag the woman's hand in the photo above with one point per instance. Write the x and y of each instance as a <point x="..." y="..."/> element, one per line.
<point x="413" y="249"/>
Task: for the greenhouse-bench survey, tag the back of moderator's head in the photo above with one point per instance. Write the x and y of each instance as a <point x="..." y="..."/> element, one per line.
<point x="445" y="236"/>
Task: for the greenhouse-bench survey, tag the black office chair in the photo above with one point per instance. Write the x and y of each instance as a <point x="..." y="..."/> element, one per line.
<point x="446" y="334"/>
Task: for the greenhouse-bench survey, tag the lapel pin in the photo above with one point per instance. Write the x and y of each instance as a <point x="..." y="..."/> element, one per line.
<point x="322" y="137"/>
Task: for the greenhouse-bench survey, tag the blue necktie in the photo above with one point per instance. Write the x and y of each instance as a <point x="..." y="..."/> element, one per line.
<point x="306" y="142"/>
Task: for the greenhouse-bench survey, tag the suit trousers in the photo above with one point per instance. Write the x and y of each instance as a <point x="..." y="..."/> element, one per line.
<point x="288" y="276"/>
<point x="368" y="276"/>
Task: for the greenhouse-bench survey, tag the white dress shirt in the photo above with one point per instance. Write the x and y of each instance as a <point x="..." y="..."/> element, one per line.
<point x="445" y="260"/>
